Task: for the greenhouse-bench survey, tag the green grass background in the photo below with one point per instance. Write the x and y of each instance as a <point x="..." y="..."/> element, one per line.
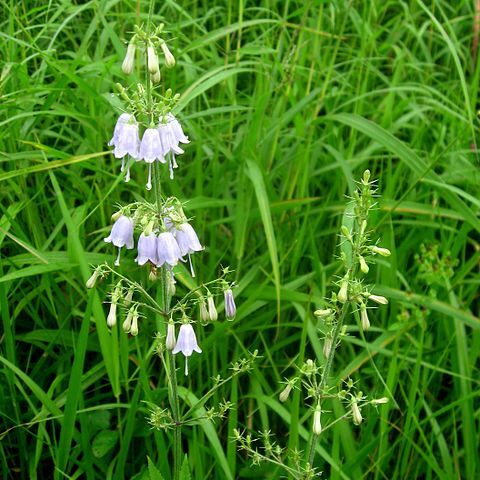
<point x="286" y="103"/>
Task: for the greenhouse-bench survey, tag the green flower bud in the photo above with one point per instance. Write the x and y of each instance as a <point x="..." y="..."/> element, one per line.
<point x="129" y="60"/>
<point x="169" y="58"/>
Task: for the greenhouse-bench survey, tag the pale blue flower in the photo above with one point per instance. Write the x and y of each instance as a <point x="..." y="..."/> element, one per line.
<point x="186" y="343"/>
<point x="187" y="239"/>
<point x="151" y="148"/>
<point x="167" y="250"/>
<point x="188" y="242"/>
<point x="147" y="249"/>
<point x="125" y="140"/>
<point x="121" y="235"/>
<point x="171" y="135"/>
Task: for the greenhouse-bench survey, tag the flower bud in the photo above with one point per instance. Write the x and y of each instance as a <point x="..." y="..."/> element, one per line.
<point x="116" y="215"/>
<point x="127" y="324"/>
<point x="128" y="297"/>
<point x="204" y="316"/>
<point x="343" y="293"/>
<point x="363" y="265"/>
<point x="134" y="327"/>
<point x="170" y="342"/>
<point x="378" y="299"/>
<point x="317" y="426"/>
<point x="230" y="307"/>
<point x="169" y="58"/>
<point x="384" y="252"/>
<point x="129" y="61"/>
<point x="327" y="346"/>
<point x="112" y="315"/>
<point x="93" y="279"/>
<point x="171" y="285"/>
<point x="155" y="77"/>
<point x="364" y="317"/>
<point x="152" y="276"/>
<point x="152" y="60"/>
<point x="356" y="414"/>
<point x="285" y="393"/>
<point x="366" y="176"/>
<point x="212" y="311"/>
<point x="322" y="313"/>
<point x="149" y="228"/>
<point x="380" y="401"/>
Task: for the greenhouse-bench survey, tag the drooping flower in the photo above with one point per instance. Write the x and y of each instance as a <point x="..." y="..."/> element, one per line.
<point x="167" y="250"/>
<point x="230" y="307"/>
<point x="121" y="235"/>
<point x="186" y="343"/>
<point x="187" y="239"/>
<point x="151" y="149"/>
<point x="171" y="134"/>
<point x="188" y="242"/>
<point x="177" y="130"/>
<point x="125" y="140"/>
<point x="147" y="249"/>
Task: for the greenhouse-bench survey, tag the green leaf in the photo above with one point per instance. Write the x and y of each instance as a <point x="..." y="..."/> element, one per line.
<point x="185" y="471"/>
<point x="153" y="471"/>
<point x="104" y="442"/>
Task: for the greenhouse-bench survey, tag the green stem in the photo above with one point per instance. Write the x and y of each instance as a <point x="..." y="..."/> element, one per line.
<point x="177" y="429"/>
<point x="351" y="272"/>
<point x="326" y="373"/>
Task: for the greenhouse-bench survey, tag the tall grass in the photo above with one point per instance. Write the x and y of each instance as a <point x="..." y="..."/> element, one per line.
<point x="286" y="103"/>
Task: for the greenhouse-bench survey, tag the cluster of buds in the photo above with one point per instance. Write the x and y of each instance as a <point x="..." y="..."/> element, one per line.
<point x="152" y="42"/>
<point x="160" y="142"/>
<point x="124" y="298"/>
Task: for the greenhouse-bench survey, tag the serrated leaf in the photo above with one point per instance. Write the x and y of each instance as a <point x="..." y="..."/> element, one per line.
<point x="185" y="471"/>
<point x="153" y="471"/>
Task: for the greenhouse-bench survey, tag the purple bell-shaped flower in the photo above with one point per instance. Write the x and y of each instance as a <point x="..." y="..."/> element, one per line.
<point x="167" y="250"/>
<point x="147" y="249"/>
<point x="121" y="235"/>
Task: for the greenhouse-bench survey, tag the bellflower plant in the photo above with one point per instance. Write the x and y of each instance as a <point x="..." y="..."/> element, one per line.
<point x="349" y="299"/>
<point x="147" y="130"/>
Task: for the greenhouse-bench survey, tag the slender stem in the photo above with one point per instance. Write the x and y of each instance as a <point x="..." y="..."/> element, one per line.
<point x="177" y="429"/>
<point x="326" y="373"/>
<point x="351" y="272"/>
<point x="173" y="387"/>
